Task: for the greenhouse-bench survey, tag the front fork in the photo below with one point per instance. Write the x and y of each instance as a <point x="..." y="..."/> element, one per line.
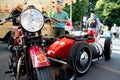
<point x="14" y="57"/>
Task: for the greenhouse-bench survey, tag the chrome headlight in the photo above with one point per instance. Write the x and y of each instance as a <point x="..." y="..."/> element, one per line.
<point x="32" y="20"/>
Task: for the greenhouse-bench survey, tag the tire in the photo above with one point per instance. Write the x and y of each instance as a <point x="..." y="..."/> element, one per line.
<point x="94" y="52"/>
<point x="17" y="75"/>
<point x="107" y="48"/>
<point x="67" y="32"/>
<point x="80" y="57"/>
<point x="21" y="70"/>
<point x="39" y="73"/>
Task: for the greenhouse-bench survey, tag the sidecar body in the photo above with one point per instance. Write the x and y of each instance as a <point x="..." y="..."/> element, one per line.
<point x="79" y="51"/>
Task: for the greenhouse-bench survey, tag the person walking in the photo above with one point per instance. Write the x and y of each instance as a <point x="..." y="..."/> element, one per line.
<point x="93" y="23"/>
<point x="114" y="31"/>
<point x="62" y="17"/>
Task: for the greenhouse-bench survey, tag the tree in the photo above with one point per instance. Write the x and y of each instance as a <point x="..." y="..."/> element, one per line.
<point x="79" y="9"/>
<point x="108" y="10"/>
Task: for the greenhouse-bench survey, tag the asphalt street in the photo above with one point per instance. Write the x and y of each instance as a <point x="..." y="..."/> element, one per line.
<point x="99" y="70"/>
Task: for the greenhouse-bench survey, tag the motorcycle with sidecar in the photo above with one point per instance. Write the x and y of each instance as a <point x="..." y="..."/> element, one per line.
<point x="28" y="57"/>
<point x="79" y="51"/>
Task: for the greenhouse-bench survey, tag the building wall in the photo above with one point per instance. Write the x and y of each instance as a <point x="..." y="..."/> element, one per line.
<point x="6" y="6"/>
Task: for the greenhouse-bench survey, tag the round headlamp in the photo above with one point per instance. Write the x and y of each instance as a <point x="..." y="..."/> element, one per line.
<point x="32" y="20"/>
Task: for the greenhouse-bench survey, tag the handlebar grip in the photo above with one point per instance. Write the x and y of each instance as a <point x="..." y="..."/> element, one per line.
<point x="2" y="21"/>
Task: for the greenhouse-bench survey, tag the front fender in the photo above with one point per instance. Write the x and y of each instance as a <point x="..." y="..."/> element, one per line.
<point x="38" y="57"/>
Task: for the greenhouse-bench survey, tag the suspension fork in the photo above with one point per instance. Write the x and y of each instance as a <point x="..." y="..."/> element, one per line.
<point x="26" y="62"/>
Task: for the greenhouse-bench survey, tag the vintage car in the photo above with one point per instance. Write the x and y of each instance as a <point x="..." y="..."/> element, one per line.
<point x="47" y="31"/>
<point x="5" y="33"/>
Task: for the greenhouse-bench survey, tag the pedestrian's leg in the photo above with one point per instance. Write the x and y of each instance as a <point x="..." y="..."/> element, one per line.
<point x="61" y="31"/>
<point x="113" y="36"/>
<point x="56" y="33"/>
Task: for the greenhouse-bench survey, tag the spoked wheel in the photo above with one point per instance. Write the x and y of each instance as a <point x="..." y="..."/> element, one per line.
<point x="107" y="48"/>
<point x="80" y="57"/>
<point x="17" y="76"/>
<point x="39" y="73"/>
<point x="21" y="70"/>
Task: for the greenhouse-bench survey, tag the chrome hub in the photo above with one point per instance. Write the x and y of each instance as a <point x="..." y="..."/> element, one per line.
<point x="84" y="58"/>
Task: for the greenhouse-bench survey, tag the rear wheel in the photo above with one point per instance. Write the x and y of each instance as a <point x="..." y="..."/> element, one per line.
<point x="80" y="57"/>
<point x="107" y="48"/>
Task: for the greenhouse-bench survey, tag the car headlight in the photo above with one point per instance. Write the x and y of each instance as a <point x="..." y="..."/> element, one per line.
<point x="32" y="20"/>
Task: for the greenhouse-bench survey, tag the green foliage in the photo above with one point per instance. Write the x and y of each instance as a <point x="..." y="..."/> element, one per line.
<point x="108" y="10"/>
<point x="79" y="9"/>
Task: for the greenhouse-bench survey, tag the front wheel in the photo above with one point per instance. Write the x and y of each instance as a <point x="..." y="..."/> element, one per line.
<point x="42" y="73"/>
<point x="20" y="69"/>
<point x="80" y="57"/>
<point x="17" y="76"/>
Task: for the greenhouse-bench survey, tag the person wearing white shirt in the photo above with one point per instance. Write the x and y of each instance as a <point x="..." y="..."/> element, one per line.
<point x="114" y="31"/>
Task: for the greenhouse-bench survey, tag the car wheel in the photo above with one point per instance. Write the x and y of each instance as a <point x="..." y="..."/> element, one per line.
<point x="107" y="48"/>
<point x="80" y="57"/>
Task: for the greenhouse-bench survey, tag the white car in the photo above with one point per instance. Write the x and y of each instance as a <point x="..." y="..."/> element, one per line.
<point x="68" y="28"/>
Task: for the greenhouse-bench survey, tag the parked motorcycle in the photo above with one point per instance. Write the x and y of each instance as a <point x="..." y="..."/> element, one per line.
<point x="28" y="57"/>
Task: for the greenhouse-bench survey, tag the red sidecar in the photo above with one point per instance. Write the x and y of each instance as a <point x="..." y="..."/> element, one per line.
<point x="79" y="51"/>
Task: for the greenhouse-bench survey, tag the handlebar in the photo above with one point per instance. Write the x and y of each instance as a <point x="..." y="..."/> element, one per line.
<point x="50" y="18"/>
<point x="2" y="21"/>
<point x="6" y="19"/>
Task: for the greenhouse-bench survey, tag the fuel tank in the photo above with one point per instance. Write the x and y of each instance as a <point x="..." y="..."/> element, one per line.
<point x="60" y="48"/>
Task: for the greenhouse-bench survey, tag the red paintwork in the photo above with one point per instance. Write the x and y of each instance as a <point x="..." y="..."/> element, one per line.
<point x="38" y="56"/>
<point x="60" y="48"/>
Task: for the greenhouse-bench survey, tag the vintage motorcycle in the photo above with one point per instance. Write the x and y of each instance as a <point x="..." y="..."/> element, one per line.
<point x="28" y="57"/>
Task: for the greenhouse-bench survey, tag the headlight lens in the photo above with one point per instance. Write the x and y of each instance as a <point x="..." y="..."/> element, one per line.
<point x="32" y="20"/>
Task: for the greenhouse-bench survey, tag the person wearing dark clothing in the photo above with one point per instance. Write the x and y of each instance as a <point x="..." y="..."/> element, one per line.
<point x="16" y="12"/>
<point x="15" y="21"/>
<point x="93" y="23"/>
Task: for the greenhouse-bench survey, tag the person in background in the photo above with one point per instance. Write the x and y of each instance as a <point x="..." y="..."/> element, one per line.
<point x="93" y="23"/>
<point x="15" y="21"/>
<point x="114" y="31"/>
<point x="62" y="17"/>
<point x="44" y="11"/>
<point x="16" y="12"/>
